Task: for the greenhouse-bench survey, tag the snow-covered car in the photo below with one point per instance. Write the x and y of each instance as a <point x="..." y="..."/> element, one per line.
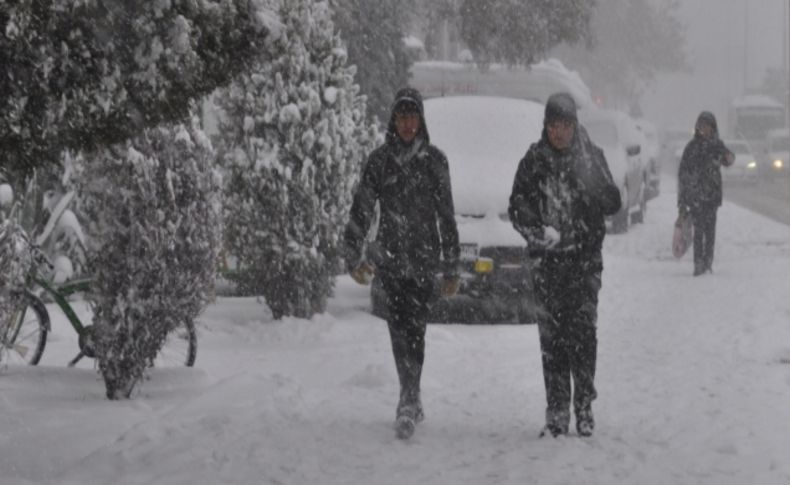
<point x="673" y="141"/>
<point x="616" y="133"/>
<point x="744" y="168"/>
<point x="651" y="153"/>
<point x="777" y="146"/>
<point x="484" y="138"/>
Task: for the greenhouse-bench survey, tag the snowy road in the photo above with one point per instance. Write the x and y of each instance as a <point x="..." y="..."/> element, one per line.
<point x="693" y="381"/>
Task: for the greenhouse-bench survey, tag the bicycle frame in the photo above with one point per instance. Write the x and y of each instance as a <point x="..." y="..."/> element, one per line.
<point x="61" y="293"/>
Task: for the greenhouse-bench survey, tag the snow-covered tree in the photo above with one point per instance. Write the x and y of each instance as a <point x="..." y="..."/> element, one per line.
<point x="521" y="31"/>
<point x="294" y="138"/>
<point x="632" y="41"/>
<point x="373" y="31"/>
<point x="89" y="73"/>
<point x="153" y="207"/>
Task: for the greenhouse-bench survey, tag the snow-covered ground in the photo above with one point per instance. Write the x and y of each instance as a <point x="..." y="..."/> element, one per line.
<point x="693" y="380"/>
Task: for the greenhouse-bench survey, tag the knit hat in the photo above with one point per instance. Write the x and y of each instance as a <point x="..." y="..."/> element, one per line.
<point x="560" y="106"/>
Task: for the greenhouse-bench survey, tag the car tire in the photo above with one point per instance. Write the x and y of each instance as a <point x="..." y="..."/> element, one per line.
<point x="639" y="216"/>
<point x="621" y="219"/>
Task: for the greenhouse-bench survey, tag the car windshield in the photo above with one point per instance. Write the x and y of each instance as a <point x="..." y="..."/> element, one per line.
<point x="602" y="132"/>
<point x="484" y="138"/>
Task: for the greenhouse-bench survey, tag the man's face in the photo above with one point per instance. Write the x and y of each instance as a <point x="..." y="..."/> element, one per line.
<point x="407" y="124"/>
<point x="560" y="133"/>
<point x="705" y="130"/>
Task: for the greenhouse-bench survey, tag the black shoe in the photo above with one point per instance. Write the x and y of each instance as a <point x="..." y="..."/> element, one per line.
<point x="408" y="415"/>
<point x="699" y="270"/>
<point x="553" y="430"/>
<point x="585" y="423"/>
<point x="404" y="427"/>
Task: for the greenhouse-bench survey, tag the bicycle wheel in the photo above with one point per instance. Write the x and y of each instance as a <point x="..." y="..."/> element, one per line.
<point x="180" y="347"/>
<point x="23" y="338"/>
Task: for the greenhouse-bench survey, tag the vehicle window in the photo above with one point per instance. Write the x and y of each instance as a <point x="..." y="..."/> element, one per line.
<point x="738" y="148"/>
<point x="602" y="132"/>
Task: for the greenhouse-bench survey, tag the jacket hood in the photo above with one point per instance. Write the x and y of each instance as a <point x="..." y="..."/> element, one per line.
<point x="407" y="95"/>
<point x="707" y="117"/>
<point x="560" y="106"/>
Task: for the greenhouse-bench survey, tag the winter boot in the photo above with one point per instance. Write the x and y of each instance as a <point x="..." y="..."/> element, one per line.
<point x="556" y="423"/>
<point x="407" y="417"/>
<point x="585" y="423"/>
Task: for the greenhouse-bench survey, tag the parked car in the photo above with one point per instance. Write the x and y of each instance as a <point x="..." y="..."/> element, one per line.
<point x="616" y="133"/>
<point x="777" y="147"/>
<point x="744" y="168"/>
<point x="651" y="153"/>
<point x="484" y="138"/>
<point x="673" y="141"/>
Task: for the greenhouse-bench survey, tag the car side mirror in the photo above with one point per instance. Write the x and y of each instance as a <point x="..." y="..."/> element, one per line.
<point x="633" y="150"/>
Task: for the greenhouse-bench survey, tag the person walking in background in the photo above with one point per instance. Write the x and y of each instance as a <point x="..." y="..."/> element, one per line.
<point x="700" y="187"/>
<point x="417" y="238"/>
<point x="561" y="193"/>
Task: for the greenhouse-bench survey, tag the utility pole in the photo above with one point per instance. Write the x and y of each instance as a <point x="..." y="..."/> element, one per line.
<point x="786" y="58"/>
<point x="745" y="45"/>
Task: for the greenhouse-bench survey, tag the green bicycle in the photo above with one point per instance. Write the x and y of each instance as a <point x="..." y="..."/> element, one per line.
<point x="23" y="336"/>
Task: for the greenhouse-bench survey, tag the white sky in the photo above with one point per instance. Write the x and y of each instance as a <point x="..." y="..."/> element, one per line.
<point x="718" y="54"/>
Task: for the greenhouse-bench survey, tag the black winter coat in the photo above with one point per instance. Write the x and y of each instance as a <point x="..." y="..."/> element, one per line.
<point x="417" y="234"/>
<point x="699" y="175"/>
<point x="571" y="191"/>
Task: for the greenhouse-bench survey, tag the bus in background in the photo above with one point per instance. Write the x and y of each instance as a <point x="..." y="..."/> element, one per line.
<point x="752" y="118"/>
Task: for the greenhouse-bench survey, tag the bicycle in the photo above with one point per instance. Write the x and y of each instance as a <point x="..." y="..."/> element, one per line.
<point x="23" y="336"/>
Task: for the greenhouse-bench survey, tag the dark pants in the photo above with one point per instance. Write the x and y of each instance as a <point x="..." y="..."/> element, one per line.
<point x="704" y="218"/>
<point x="408" y="304"/>
<point x="566" y="289"/>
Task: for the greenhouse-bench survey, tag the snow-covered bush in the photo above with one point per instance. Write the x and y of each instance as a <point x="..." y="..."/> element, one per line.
<point x="293" y="138"/>
<point x="15" y="261"/>
<point x="373" y="31"/>
<point x="153" y="212"/>
<point x="89" y="73"/>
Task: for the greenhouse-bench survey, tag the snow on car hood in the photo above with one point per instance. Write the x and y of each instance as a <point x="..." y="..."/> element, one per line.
<point x="484" y="138"/>
<point x="491" y="230"/>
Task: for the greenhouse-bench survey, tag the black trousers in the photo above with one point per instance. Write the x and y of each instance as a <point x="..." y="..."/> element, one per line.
<point x="704" y="218"/>
<point x="408" y="302"/>
<point x="566" y="290"/>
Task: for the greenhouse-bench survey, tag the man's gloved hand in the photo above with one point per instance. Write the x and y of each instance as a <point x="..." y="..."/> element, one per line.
<point x="363" y="274"/>
<point x="450" y="286"/>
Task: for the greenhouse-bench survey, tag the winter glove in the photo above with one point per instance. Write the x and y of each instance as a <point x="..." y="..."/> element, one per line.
<point x="450" y="286"/>
<point x="363" y="274"/>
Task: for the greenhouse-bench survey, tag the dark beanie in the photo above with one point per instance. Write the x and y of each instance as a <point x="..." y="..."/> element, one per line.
<point x="560" y="106"/>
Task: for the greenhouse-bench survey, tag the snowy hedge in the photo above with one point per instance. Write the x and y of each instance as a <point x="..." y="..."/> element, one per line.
<point x="153" y="208"/>
<point x="88" y="73"/>
<point x="293" y="136"/>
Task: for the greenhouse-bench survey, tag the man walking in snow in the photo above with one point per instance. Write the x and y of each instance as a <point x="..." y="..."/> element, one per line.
<point x="561" y="193"/>
<point x="699" y="187"/>
<point x="417" y="238"/>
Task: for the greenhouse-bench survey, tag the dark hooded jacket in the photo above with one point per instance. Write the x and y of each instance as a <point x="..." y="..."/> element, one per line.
<point x="699" y="175"/>
<point x="417" y="234"/>
<point x="570" y="190"/>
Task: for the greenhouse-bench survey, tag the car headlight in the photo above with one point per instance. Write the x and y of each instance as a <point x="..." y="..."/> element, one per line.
<point x="484" y="265"/>
<point x="751" y="165"/>
<point x="779" y="164"/>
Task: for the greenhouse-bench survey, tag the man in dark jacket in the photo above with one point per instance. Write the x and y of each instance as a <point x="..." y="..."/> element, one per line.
<point x="699" y="186"/>
<point x="561" y="194"/>
<point x="417" y="238"/>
